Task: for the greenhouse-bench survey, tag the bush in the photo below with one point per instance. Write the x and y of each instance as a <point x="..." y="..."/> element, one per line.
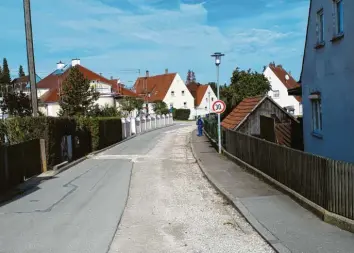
<point x="104" y="131"/>
<point x="88" y="134"/>
<point x="181" y="114"/>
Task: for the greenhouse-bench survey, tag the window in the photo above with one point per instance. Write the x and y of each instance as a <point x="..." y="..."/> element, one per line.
<point x="212" y="99"/>
<point x="320" y="27"/>
<point x="206" y="99"/>
<point x="185" y="104"/>
<point x="182" y="92"/>
<point x="172" y="93"/>
<point x="276" y="93"/>
<point x="339" y="16"/>
<point x="316" y="116"/>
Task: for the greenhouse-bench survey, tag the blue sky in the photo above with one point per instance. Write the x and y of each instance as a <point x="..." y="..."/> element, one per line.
<point x="118" y="37"/>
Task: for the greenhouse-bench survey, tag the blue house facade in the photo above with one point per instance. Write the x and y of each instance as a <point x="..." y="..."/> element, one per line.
<point x="327" y="80"/>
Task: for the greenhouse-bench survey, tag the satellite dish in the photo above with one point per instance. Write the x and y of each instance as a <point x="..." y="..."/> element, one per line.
<point x="287" y="77"/>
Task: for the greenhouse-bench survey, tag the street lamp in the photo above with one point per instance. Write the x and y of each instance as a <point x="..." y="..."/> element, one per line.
<point x="217" y="57"/>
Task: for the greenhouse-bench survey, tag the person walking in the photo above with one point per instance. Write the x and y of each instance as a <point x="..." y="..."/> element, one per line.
<point x="200" y="125"/>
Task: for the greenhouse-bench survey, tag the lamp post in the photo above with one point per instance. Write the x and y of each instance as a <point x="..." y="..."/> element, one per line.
<point x="217" y="57"/>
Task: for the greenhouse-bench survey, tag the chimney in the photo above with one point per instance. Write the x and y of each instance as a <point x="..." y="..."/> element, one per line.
<point x="147" y="73"/>
<point x="166" y="71"/>
<point x="280" y="66"/>
<point x="75" y="62"/>
<point x="60" y="65"/>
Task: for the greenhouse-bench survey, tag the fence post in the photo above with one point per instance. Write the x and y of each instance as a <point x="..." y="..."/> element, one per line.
<point x="123" y="128"/>
<point x="163" y="119"/>
<point x="129" y="132"/>
<point x="171" y="118"/>
<point x="158" y="118"/>
<point x="132" y="125"/>
<point x="43" y="155"/>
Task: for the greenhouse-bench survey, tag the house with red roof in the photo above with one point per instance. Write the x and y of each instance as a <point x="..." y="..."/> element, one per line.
<point x="167" y="87"/>
<point x="49" y="88"/>
<point x="281" y="81"/>
<point x="262" y="117"/>
<point x="204" y="98"/>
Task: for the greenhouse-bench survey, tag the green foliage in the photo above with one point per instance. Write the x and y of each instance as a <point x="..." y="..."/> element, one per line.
<point x="247" y="84"/>
<point x="21" y="72"/>
<point x="243" y="84"/>
<point x="213" y="86"/>
<point x="129" y="104"/>
<point x="160" y="107"/>
<point x="181" y="114"/>
<point x="104" y="131"/>
<point x="16" y="104"/>
<point x="5" y="77"/>
<point x="78" y="97"/>
<point x="106" y="111"/>
<point x="2" y="132"/>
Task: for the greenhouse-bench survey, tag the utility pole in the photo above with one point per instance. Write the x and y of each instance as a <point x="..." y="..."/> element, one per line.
<point x="30" y="56"/>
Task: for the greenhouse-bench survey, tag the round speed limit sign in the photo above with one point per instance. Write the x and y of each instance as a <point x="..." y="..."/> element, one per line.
<point x="219" y="106"/>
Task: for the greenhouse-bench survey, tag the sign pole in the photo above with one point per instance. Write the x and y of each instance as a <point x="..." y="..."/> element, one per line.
<point x="218" y="91"/>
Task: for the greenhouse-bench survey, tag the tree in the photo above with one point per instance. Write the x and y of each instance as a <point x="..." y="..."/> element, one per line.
<point x="190" y="77"/>
<point x="129" y="104"/>
<point x="16" y="104"/>
<point x="213" y="86"/>
<point x="245" y="84"/>
<point x="78" y="97"/>
<point x="194" y="80"/>
<point x="5" y="77"/>
<point x="160" y="107"/>
<point x="106" y="111"/>
<point x="21" y="73"/>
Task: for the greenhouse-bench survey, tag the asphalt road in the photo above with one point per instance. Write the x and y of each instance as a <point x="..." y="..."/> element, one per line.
<point x="79" y="210"/>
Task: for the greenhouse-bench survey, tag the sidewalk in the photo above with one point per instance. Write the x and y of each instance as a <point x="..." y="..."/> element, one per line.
<point x="286" y="225"/>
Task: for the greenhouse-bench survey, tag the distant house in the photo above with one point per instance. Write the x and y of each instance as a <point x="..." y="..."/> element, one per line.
<point x="168" y="87"/>
<point x="49" y="88"/>
<point x="204" y="97"/>
<point x="327" y="80"/>
<point x="23" y="84"/>
<point x="262" y="117"/>
<point x="280" y="81"/>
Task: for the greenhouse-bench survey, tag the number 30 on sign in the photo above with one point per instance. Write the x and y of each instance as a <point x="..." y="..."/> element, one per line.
<point x="219" y="106"/>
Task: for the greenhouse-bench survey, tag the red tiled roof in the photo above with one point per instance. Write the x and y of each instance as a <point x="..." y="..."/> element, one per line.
<point x="281" y="73"/>
<point x="51" y="96"/>
<point x="241" y="111"/>
<point x="53" y="82"/>
<point x="198" y="91"/>
<point x="156" y="86"/>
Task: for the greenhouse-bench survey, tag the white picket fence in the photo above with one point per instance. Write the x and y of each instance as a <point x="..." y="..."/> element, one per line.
<point x="132" y="126"/>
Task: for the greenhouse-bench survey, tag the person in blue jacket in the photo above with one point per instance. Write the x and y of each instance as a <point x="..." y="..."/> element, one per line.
<point x="200" y="125"/>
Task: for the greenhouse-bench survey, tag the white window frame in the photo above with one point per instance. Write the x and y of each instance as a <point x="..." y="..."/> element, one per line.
<point x="276" y="94"/>
<point x="316" y="107"/>
<point x="320" y="27"/>
<point x="339" y="17"/>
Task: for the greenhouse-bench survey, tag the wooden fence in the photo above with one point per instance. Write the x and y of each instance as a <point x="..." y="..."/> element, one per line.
<point x="19" y="162"/>
<point x="326" y="182"/>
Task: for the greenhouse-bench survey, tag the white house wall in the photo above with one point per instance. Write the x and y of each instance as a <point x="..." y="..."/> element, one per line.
<point x="206" y="104"/>
<point x="178" y="99"/>
<point x="284" y="99"/>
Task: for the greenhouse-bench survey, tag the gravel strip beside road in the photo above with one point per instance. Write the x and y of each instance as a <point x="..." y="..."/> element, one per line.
<point x="173" y="208"/>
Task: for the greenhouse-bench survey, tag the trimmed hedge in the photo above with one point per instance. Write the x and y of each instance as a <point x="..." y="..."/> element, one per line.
<point x="104" y="131"/>
<point x="88" y="134"/>
<point x="181" y="114"/>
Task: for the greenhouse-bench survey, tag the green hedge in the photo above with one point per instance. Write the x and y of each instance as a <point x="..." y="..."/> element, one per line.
<point x="104" y="131"/>
<point x="88" y="134"/>
<point x="181" y="114"/>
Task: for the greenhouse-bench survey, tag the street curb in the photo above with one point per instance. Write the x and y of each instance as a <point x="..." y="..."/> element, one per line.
<point x="59" y="168"/>
<point x="237" y="204"/>
<point x="94" y="153"/>
<point x="322" y="213"/>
